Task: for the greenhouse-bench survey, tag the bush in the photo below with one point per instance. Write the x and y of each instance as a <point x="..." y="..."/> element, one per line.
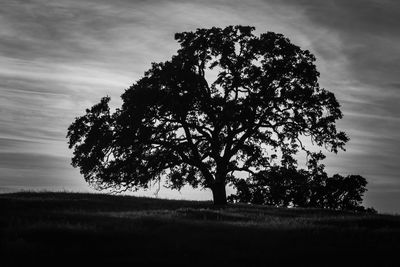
<point x="289" y="187"/>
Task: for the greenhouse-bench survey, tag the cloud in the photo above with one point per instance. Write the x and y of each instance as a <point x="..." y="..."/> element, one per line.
<point x="38" y="171"/>
<point x="60" y="57"/>
<point x="368" y="32"/>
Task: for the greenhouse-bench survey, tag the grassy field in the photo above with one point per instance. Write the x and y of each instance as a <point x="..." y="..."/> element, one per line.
<point x="93" y="229"/>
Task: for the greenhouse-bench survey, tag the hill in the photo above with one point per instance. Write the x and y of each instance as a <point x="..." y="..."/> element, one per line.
<point x="96" y="229"/>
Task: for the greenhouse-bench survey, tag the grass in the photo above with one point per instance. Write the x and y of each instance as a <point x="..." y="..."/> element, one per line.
<point x="95" y="229"/>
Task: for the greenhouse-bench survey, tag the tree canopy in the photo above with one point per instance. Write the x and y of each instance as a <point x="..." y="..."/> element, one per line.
<point x="228" y="101"/>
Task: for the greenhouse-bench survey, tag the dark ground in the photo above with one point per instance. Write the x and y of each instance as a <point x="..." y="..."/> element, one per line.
<point x="71" y="229"/>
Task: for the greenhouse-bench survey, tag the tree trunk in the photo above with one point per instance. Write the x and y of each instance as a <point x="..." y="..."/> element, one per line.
<point x="219" y="193"/>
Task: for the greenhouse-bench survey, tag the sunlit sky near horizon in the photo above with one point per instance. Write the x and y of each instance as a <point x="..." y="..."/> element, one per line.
<point x="58" y="57"/>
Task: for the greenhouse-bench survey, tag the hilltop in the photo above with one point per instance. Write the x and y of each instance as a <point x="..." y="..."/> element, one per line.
<point x="80" y="229"/>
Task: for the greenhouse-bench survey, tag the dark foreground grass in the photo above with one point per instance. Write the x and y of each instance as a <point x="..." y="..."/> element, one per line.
<point x="72" y="229"/>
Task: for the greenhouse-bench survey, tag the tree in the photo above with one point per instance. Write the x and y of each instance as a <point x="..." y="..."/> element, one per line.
<point x="312" y="188"/>
<point x="344" y="193"/>
<point x="229" y="101"/>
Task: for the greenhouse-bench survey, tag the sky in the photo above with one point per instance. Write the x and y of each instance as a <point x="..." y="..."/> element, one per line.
<point x="59" y="57"/>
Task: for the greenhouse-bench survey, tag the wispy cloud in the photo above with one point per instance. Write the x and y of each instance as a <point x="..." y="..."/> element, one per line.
<point x="59" y="57"/>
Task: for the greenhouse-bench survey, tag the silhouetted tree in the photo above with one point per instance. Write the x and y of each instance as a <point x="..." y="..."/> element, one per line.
<point x="228" y="101"/>
<point x="312" y="188"/>
<point x="344" y="193"/>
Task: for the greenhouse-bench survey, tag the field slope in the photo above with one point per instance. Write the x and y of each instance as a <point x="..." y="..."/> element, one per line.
<point x="94" y="229"/>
